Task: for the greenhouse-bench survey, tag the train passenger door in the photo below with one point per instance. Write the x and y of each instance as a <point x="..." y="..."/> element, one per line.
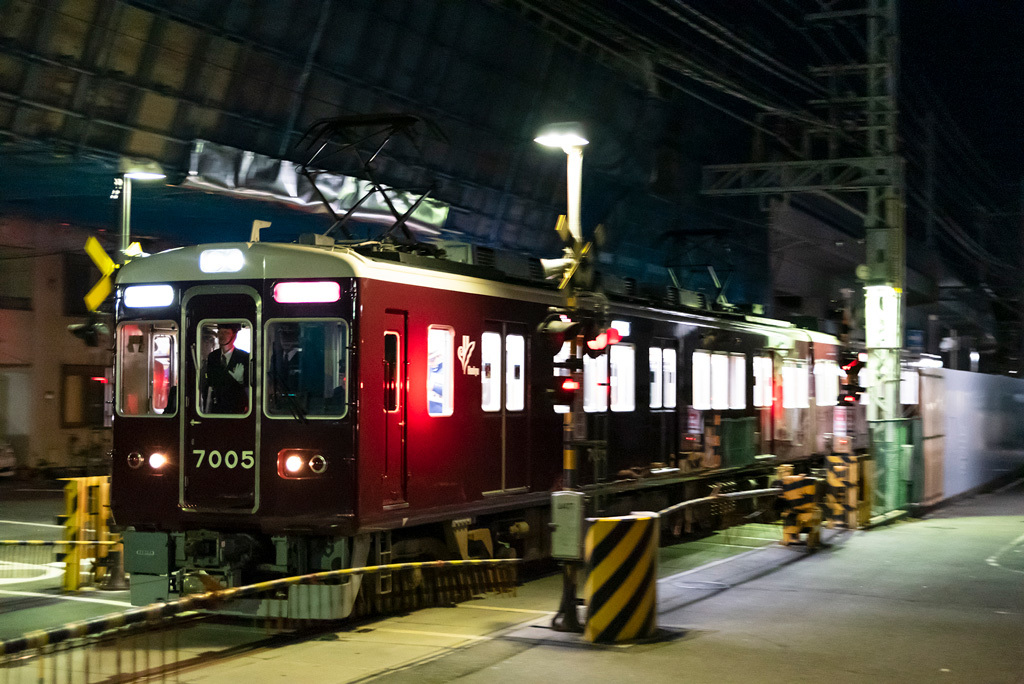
<point x="220" y="443"/>
<point x="503" y="394"/>
<point x="395" y="406"/>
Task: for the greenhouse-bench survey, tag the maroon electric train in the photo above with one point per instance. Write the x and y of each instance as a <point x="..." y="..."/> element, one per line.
<point x="290" y="408"/>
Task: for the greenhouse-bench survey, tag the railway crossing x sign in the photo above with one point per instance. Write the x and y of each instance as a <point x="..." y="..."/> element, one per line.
<point x="101" y="290"/>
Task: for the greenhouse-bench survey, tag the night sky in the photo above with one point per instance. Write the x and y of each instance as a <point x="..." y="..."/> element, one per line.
<point x="971" y="52"/>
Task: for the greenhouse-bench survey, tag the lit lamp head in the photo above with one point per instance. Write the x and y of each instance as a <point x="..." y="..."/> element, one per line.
<point x="566" y="135"/>
<point x="140" y="169"/>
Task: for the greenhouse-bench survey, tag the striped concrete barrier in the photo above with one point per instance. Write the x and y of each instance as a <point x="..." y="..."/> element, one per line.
<point x="802" y="515"/>
<point x="621" y="590"/>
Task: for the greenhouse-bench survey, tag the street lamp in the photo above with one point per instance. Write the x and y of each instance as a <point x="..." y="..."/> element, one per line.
<point x="568" y="136"/>
<point x="132" y="169"/>
<point x="567" y="505"/>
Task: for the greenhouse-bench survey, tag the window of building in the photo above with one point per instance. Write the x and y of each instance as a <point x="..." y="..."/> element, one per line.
<point x="83" y="396"/>
<point x="80" y="274"/>
<point x="15" y="278"/>
<point x="826" y="382"/>
<point x="440" y="370"/>
<point x="147" y="368"/>
<point x="622" y="360"/>
<point x="795" y="384"/>
<point x="763" y="373"/>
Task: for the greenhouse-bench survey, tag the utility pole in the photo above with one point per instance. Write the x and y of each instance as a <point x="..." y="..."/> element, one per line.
<point x="859" y="122"/>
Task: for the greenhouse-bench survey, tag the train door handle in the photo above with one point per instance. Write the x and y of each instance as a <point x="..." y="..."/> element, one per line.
<point x="194" y="422"/>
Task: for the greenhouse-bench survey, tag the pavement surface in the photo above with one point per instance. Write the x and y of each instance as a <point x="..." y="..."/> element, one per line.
<point x="940" y="599"/>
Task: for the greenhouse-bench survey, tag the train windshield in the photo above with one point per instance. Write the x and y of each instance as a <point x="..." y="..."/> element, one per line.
<point x="147" y="371"/>
<point x="306" y="368"/>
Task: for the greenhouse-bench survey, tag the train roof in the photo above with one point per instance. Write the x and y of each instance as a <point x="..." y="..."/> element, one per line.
<point x="275" y="260"/>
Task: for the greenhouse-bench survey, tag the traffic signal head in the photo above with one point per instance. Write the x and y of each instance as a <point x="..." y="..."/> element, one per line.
<point x="597" y="338"/>
<point x="564" y="390"/>
<point x="556" y="330"/>
<point x="849" y="394"/>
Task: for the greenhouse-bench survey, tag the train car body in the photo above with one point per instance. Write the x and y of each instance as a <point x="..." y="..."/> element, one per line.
<point x="395" y="406"/>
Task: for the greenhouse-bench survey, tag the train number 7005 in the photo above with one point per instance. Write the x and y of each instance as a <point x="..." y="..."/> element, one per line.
<point x="229" y="459"/>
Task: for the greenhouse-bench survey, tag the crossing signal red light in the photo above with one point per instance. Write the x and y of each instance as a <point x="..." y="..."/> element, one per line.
<point x="570" y="385"/>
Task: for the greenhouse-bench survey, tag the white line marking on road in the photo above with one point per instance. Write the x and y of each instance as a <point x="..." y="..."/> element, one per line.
<point x="993" y="560"/>
<point x="82" y="599"/>
<point x="511" y="610"/>
<point x="470" y="637"/>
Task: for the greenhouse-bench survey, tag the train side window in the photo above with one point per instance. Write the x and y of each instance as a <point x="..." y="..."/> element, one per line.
<point x="595" y="384"/>
<point x="561" y="357"/>
<point x="515" y="372"/>
<point x="147" y="369"/>
<point x="440" y="373"/>
<point x="719" y="381"/>
<point x="622" y="362"/>
<point x="392" y="371"/>
<point x="702" y="380"/>
<point x="490" y="371"/>
<point x="655" y="357"/>
<point x="737" y="381"/>
<point x="826" y="382"/>
<point x="668" y="357"/>
<point x="795" y="385"/>
<point x="763" y="381"/>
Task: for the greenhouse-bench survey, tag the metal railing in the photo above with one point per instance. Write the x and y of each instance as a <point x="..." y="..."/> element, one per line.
<point x="157" y="642"/>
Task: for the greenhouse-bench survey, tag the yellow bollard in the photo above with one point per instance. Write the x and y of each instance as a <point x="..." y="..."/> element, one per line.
<point x="621" y="590"/>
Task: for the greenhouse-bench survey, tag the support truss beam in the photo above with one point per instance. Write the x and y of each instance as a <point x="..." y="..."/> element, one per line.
<point x="830" y="175"/>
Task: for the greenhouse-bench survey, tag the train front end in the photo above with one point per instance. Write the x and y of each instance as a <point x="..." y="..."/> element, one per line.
<point x="234" y="434"/>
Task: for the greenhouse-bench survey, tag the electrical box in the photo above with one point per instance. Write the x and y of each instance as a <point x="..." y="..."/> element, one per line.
<point x="567" y="525"/>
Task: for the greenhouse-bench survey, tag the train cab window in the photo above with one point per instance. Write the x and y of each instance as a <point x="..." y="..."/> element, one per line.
<point x="307" y="368"/>
<point x="515" y="372"/>
<point x="826" y="382"/>
<point x="147" y="369"/>
<point x="763" y="373"/>
<point x="440" y="373"/>
<point x="622" y="362"/>
<point x="224" y="382"/>
<point x="795" y="384"/>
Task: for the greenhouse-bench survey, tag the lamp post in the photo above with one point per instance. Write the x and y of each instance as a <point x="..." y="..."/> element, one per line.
<point x="567" y="505"/>
<point x="132" y="170"/>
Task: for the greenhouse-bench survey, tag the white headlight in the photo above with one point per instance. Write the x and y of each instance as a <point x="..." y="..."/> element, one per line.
<point x="145" y="296"/>
<point x="221" y="260"/>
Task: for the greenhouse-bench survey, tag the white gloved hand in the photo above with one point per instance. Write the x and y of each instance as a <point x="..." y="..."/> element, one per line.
<point x="237" y="372"/>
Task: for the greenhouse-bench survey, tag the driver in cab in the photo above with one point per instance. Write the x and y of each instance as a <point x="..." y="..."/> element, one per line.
<point x="227" y="374"/>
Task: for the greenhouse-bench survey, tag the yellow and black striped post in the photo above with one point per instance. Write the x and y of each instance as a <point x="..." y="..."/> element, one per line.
<point x="842" y="490"/>
<point x="802" y="515"/>
<point x="621" y="590"/>
<point x="75" y="507"/>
